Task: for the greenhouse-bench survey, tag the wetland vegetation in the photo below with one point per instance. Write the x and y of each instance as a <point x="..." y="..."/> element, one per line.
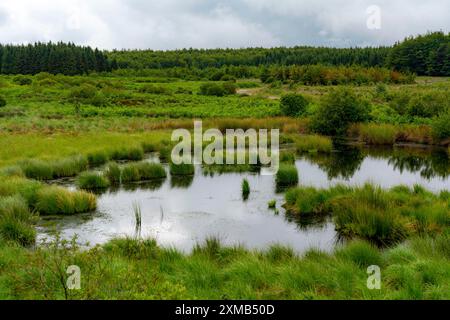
<point x="363" y="178"/>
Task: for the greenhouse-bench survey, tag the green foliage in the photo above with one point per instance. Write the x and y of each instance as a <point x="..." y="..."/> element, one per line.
<point x="218" y="90"/>
<point x="53" y="58"/>
<point x="92" y="181"/>
<point x="424" y="54"/>
<point x="313" y="144"/>
<point x="53" y="169"/>
<point x="22" y="80"/>
<point x="97" y="158"/>
<point x="2" y="102"/>
<point x="87" y="94"/>
<point x="340" y="108"/>
<point x="441" y="127"/>
<point x="293" y="105"/>
<point x="152" y="89"/>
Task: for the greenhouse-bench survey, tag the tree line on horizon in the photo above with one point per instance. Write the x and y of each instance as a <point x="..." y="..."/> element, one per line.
<point x="55" y="58"/>
<point x="423" y="55"/>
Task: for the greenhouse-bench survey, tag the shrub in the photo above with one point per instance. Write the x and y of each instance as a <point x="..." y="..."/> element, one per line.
<point x="87" y="94"/>
<point x="92" y="181"/>
<point x="219" y="90"/>
<point x="338" y="110"/>
<point x="441" y="127"/>
<point x="22" y="80"/>
<point x="287" y="175"/>
<point x="55" y="200"/>
<point x="152" y="89"/>
<point x="182" y="169"/>
<point x="2" y="102"/>
<point x="293" y="105"/>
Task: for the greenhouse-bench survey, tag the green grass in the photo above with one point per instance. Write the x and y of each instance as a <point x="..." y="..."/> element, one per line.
<point x="16" y="221"/>
<point x="381" y="216"/>
<point x="55" y="200"/>
<point x="113" y="173"/>
<point x="53" y="169"/>
<point x="140" y="269"/>
<point x="92" y="181"/>
<point x="378" y="134"/>
<point x="142" y="171"/>
<point x="272" y="204"/>
<point x="128" y="153"/>
<point x="97" y="158"/>
<point x="313" y="143"/>
<point x="287" y="175"/>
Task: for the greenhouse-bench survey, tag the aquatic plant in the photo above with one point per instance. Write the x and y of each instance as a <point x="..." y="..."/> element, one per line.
<point x="245" y="189"/>
<point x="313" y="143"/>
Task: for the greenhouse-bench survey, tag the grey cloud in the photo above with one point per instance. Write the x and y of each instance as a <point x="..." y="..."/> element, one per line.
<point x="173" y="24"/>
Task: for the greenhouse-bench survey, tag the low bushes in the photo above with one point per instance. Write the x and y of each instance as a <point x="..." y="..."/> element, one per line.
<point x="293" y="105"/>
<point x="2" y="102"/>
<point x="218" y="90"/>
<point x="337" y="110"/>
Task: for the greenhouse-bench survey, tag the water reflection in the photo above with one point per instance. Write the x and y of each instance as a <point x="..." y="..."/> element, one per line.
<point x="183" y="211"/>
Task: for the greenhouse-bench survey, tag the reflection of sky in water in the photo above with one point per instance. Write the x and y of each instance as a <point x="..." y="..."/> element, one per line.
<point x="182" y="214"/>
<point x="374" y="170"/>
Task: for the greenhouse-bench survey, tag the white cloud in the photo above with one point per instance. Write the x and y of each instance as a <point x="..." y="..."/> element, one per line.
<point x="173" y="24"/>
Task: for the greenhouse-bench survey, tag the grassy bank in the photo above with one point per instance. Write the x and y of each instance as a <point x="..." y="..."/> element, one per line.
<point x="134" y="269"/>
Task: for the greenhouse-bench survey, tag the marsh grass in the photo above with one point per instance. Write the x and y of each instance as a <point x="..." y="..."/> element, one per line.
<point x="272" y="204"/>
<point x="370" y="212"/>
<point x="287" y="175"/>
<point x="128" y="153"/>
<point x="287" y="157"/>
<point x="313" y="144"/>
<point x="92" y="181"/>
<point x="416" y="270"/>
<point x="138" y="220"/>
<point x="142" y="171"/>
<point x="376" y="134"/>
<point x="53" y="200"/>
<point x="97" y="158"/>
<point x="113" y="173"/>
<point x="16" y="221"/>
<point x="245" y="189"/>
<point x="53" y="169"/>
<point x="183" y="169"/>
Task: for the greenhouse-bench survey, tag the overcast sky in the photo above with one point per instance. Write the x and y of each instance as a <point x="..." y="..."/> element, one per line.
<point x="170" y="24"/>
